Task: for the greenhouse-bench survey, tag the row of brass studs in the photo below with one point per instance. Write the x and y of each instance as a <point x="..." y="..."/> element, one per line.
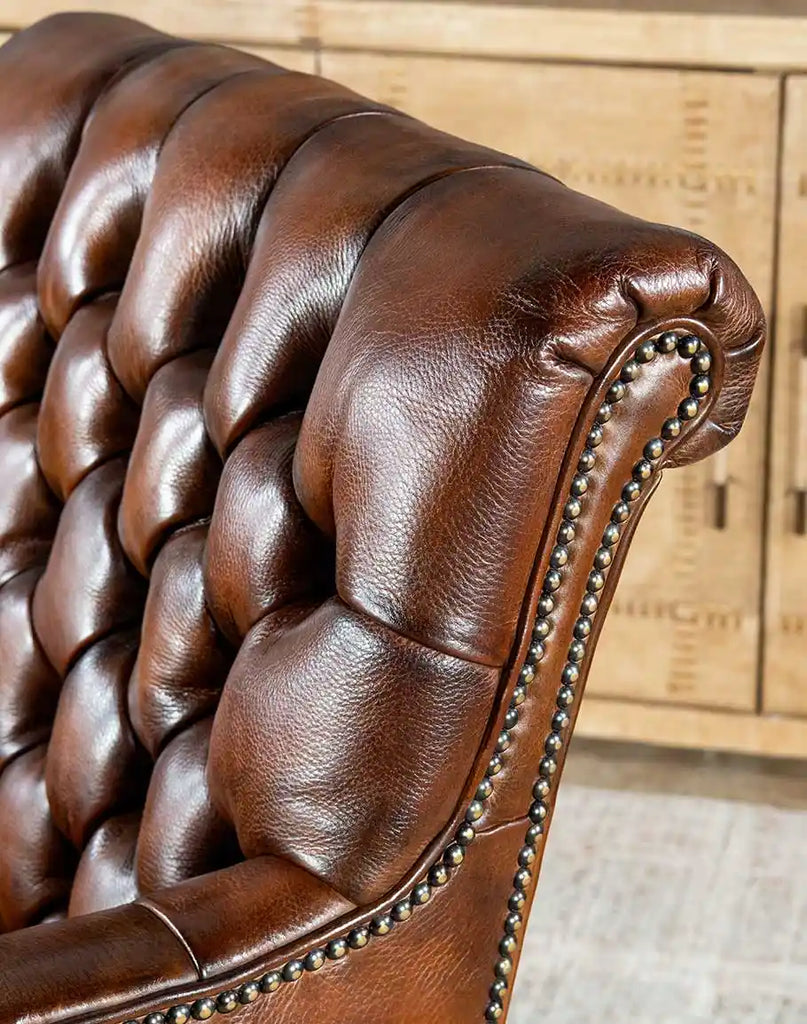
<point x="688" y="347"/>
<point x="454" y="854"/>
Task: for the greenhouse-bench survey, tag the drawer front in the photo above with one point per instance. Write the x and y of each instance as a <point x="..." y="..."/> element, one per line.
<point x="696" y="149"/>
<point x="785" y="689"/>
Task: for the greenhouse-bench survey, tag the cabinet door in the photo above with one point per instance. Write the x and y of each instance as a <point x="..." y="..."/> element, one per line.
<point x="785" y="675"/>
<point x="695" y="149"/>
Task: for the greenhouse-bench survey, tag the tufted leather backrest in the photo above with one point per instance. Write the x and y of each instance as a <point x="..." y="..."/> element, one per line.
<point x="287" y="385"/>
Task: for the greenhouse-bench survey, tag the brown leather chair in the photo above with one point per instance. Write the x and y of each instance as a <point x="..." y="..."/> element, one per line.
<point x="323" y="436"/>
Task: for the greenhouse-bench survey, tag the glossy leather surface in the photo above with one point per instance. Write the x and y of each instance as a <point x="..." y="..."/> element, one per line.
<point x="289" y="385"/>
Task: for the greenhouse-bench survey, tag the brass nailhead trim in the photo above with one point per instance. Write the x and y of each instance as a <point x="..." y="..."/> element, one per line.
<point x="453" y="856"/>
<point x="688" y="347"/>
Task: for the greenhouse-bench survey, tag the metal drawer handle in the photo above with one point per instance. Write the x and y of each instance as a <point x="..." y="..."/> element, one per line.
<point x="800" y="459"/>
<point x="720" y="489"/>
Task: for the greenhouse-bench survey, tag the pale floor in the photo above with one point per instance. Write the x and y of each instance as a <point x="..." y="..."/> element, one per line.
<point x="674" y="891"/>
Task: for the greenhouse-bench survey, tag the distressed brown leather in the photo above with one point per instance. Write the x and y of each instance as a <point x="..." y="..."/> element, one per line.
<point x="293" y="392"/>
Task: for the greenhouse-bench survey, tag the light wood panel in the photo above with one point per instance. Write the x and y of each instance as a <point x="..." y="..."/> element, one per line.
<point x="777" y="8"/>
<point x="494" y="29"/>
<point x="688" y="148"/>
<point x="631" y="37"/>
<point x="694" y="728"/>
<point x="785" y="688"/>
<point x="278" y="21"/>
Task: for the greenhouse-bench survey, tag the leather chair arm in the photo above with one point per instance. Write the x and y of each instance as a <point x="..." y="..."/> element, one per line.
<point x="87" y="966"/>
<point x="224" y="926"/>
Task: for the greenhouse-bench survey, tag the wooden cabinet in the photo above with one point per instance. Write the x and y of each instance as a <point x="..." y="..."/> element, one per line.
<point x="785" y="638"/>
<point x="694" y="115"/>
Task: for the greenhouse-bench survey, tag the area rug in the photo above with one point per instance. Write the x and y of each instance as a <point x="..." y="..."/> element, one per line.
<point x="663" y="908"/>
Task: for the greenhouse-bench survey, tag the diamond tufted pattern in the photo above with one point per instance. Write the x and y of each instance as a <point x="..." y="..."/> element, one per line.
<point x="287" y="383"/>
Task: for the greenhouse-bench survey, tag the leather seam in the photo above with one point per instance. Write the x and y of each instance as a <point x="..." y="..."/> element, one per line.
<point x="492" y="830"/>
<point x="266" y="194"/>
<point x="15" y="755"/>
<point x="206" y="91"/>
<point x="150" y="52"/>
<point x="257" y="212"/>
<point x="161" y="916"/>
<point x="434" y="648"/>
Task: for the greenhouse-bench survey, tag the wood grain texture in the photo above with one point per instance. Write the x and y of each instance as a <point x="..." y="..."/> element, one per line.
<point x="677" y="36"/>
<point x="693" y="149"/>
<point x="281" y="21"/>
<point x="778" y="8"/>
<point x="785" y="674"/>
<point x="557" y="33"/>
<point x="693" y="728"/>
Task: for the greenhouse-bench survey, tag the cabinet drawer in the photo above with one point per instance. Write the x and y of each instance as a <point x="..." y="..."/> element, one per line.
<point x="785" y="688"/>
<point x="695" y="149"/>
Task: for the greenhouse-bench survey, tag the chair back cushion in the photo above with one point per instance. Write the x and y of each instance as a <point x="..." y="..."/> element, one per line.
<point x="287" y="383"/>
